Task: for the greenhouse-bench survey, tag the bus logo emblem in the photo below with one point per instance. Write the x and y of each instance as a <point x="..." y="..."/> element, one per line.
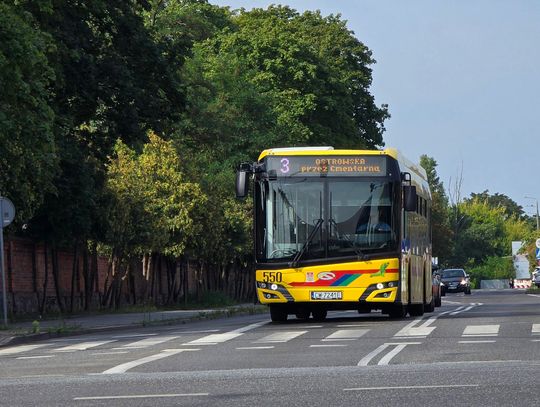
<point x="326" y="275"/>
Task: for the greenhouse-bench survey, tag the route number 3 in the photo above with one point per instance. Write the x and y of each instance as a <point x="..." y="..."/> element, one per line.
<point x="269" y="277"/>
<point x="285" y="165"/>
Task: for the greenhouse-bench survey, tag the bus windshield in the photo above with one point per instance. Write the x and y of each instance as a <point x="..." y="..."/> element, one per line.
<point x="317" y="218"/>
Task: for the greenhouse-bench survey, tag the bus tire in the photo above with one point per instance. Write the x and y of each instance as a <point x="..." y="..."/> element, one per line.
<point x="416" y="310"/>
<point x="319" y="314"/>
<point x="302" y="314"/>
<point x="438" y="301"/>
<point x="397" y="311"/>
<point x="430" y="307"/>
<point x="278" y="313"/>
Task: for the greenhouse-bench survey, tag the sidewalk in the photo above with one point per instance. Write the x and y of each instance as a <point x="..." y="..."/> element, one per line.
<point x="21" y="332"/>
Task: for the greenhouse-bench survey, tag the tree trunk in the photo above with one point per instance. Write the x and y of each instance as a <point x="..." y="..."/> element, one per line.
<point x="74" y="272"/>
<point x="45" y="280"/>
<point x="56" y="279"/>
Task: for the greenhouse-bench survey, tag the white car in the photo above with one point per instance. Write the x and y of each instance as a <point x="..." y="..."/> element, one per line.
<point x="536" y="277"/>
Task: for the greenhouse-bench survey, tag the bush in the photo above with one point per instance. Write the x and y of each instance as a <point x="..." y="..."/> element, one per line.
<point x="494" y="268"/>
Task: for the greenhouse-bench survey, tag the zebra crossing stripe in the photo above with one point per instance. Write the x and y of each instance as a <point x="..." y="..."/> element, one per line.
<point x="19" y="349"/>
<point x="280" y="337"/>
<point x="81" y="346"/>
<point x="346" y="335"/>
<point x="481" y="330"/>
<point x="145" y="343"/>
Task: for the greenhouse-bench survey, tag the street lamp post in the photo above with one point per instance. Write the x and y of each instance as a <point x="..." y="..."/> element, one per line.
<point x="537" y="218"/>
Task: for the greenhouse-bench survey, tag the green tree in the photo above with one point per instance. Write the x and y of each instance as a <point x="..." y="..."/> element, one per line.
<point x="153" y="208"/>
<point x="511" y="208"/>
<point x="28" y="154"/>
<point x="178" y="24"/>
<point x="316" y="72"/>
<point x="440" y="224"/>
<point x="482" y="235"/>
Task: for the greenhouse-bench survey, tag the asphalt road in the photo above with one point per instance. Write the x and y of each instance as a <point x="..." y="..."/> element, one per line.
<point x="482" y="349"/>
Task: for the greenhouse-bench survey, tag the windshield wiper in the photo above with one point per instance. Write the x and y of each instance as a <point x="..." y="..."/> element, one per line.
<point x="299" y="254"/>
<point x="361" y="255"/>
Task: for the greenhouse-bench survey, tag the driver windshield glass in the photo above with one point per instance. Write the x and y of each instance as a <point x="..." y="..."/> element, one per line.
<point x="360" y="218"/>
<point x="337" y="218"/>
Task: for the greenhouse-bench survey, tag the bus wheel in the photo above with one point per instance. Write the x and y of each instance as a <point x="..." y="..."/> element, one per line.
<point x="430" y="307"/>
<point x="319" y="314"/>
<point x="438" y="301"/>
<point x="302" y="314"/>
<point x="278" y="313"/>
<point x="397" y="311"/>
<point x="416" y="310"/>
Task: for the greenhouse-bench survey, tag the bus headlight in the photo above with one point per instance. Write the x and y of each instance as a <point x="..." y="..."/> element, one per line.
<point x="274" y="287"/>
<point x="380" y="286"/>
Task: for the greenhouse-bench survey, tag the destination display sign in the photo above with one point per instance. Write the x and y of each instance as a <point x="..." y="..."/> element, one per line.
<point x="317" y="166"/>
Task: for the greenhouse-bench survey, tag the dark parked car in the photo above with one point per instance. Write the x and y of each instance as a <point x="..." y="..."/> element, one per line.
<point x="456" y="280"/>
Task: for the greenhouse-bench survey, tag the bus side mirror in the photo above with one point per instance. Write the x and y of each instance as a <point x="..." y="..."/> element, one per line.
<point x="409" y="198"/>
<point x="241" y="184"/>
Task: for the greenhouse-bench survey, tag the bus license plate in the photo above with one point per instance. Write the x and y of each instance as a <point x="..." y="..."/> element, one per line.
<point x="326" y="295"/>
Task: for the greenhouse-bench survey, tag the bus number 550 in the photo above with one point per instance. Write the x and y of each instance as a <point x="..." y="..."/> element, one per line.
<point x="270" y="277"/>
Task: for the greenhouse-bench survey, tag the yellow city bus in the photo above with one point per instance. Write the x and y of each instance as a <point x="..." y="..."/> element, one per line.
<point x="340" y="230"/>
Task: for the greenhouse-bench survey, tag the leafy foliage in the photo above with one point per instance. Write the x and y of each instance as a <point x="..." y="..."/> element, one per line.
<point x="153" y="206"/>
<point x="440" y="224"/>
<point x="28" y="154"/>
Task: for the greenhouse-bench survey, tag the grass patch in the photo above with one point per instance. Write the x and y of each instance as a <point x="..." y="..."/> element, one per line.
<point x="207" y="315"/>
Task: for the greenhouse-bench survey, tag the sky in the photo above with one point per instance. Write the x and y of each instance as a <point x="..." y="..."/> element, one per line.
<point x="462" y="81"/>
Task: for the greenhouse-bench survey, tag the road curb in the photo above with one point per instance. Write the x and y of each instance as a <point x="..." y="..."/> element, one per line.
<point x="12" y="340"/>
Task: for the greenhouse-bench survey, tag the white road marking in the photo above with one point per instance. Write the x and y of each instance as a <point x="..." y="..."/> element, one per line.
<point x="459" y="310"/>
<point x="390" y="355"/>
<point x="132" y="336"/>
<point x="346" y="335"/>
<point x="214" y="339"/>
<point x="36" y="357"/>
<point x="145" y="343"/>
<point x="109" y="353"/>
<point x="481" y="330"/>
<point x="280" y="337"/>
<point x="399" y="346"/>
<point x="19" y="349"/>
<point x="352" y="325"/>
<point x="124" y="367"/>
<point x="535" y="329"/>
<point x="255" y="347"/>
<point x="203" y="331"/>
<point x="141" y="396"/>
<point x="476" y="342"/>
<point x="410" y="330"/>
<point x="328" y="346"/>
<point x="81" y="346"/>
<point x="435" y="386"/>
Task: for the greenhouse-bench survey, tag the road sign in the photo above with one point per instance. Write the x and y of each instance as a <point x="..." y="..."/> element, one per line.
<point x="7" y="211"/>
<point x="538" y="243"/>
<point x="538" y="254"/>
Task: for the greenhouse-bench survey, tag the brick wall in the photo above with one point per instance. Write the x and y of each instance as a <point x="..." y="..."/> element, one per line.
<point x="24" y="266"/>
